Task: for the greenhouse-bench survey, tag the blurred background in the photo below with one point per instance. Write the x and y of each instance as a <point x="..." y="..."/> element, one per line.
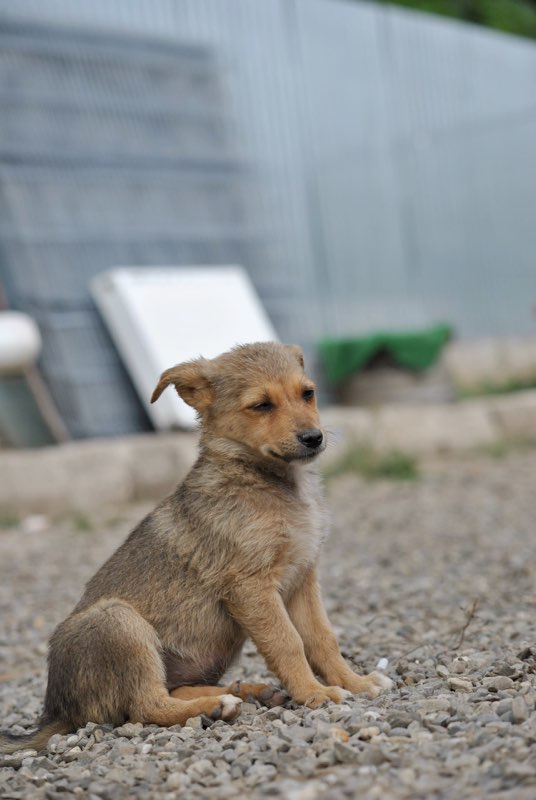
<point x="371" y="167"/>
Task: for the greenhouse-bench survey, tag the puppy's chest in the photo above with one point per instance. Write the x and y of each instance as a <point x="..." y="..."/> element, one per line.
<point x="305" y="531"/>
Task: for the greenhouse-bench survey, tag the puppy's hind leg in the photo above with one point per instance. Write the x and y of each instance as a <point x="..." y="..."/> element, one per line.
<point x="159" y="708"/>
<point x="105" y="665"/>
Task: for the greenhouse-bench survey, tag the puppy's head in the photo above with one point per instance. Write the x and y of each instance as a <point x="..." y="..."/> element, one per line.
<point x="256" y="396"/>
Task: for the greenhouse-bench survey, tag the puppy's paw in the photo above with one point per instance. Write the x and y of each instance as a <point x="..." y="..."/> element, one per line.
<point x="372" y="684"/>
<point x="381" y="680"/>
<point x="323" y="694"/>
<point x="273" y="696"/>
<point x="264" y="693"/>
<point x="227" y="708"/>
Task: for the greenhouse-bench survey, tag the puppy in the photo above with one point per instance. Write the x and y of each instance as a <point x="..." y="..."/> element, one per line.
<point x="231" y="554"/>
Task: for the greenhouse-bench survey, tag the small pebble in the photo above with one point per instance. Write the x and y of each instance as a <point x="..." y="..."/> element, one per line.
<point x="368" y="733"/>
<point x="458" y="666"/>
<point x="194" y="722"/>
<point x="498" y="683"/>
<point x="520" y="712"/>
<point x="460" y="685"/>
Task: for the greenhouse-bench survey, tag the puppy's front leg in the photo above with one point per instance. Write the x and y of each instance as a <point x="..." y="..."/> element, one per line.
<point x="307" y="612"/>
<point x="259" y="609"/>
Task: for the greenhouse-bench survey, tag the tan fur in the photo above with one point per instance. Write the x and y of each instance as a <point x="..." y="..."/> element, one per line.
<point x="264" y="692"/>
<point x="231" y="553"/>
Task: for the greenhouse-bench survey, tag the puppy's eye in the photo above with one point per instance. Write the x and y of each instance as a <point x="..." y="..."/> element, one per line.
<point x="264" y="406"/>
<point x="308" y="394"/>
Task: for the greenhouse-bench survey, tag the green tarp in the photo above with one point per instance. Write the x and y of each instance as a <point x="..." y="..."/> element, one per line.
<point x="414" y="350"/>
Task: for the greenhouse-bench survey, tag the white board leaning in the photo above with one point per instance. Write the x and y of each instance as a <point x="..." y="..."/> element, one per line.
<point x="160" y="316"/>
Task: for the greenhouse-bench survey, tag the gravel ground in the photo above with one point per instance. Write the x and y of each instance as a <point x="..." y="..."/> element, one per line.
<point x="437" y="576"/>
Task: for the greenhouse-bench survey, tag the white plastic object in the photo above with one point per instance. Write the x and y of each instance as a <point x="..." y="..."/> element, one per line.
<point x="20" y="341"/>
<point x="35" y="523"/>
<point x="162" y="316"/>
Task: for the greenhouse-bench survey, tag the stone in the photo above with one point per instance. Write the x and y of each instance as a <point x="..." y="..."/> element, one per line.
<point x="289" y="717"/>
<point x="274" y="713"/>
<point x="516" y="415"/>
<point x="373" y="756"/>
<point x="460" y="685"/>
<point x="368" y="733"/>
<point x="504" y="668"/>
<point x="177" y="780"/>
<point x="129" y="730"/>
<point x="123" y="747"/>
<point x="306" y="766"/>
<point x="56" y="744"/>
<point x="194" y="722"/>
<point x="437" y="703"/>
<point x="326" y="759"/>
<point x="407" y="776"/>
<point x="503" y="707"/>
<point x="258" y="773"/>
<point x="520" y="712"/>
<point x="201" y="768"/>
<point x="458" y="666"/>
<point x="344" y="753"/>
<point x="399" y="719"/>
<point x="498" y="683"/>
<point x="399" y="732"/>
<point x="72" y="754"/>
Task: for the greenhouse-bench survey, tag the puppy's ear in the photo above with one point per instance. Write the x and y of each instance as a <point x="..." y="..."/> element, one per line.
<point x="190" y="381"/>
<point x="296" y="351"/>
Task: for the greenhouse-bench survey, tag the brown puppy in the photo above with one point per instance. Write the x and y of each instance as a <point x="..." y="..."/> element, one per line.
<point x="231" y="554"/>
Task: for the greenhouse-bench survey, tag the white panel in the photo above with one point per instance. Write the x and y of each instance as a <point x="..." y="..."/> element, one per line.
<point x="159" y="317"/>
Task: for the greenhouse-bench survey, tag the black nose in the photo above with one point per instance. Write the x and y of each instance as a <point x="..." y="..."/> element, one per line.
<point x="312" y="438"/>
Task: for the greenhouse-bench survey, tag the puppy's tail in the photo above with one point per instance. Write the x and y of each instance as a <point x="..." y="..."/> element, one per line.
<point x="36" y="740"/>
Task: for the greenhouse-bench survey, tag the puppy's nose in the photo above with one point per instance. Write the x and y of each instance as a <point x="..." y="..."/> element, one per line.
<point x="311" y="438"/>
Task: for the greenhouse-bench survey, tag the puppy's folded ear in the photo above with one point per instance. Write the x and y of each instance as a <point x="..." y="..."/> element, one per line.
<point x="190" y="381"/>
<point x="296" y="351"/>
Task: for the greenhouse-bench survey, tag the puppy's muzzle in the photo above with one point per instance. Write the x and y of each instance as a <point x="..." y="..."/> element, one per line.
<point x="312" y="438"/>
<point x="310" y="444"/>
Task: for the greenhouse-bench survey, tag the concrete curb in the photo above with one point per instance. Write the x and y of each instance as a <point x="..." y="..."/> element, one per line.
<point x="82" y="476"/>
<point x="434" y="428"/>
